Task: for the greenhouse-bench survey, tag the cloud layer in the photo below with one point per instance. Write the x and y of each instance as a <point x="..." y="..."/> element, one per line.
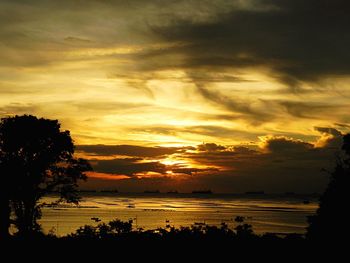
<point x="298" y="40"/>
<point x="278" y="164"/>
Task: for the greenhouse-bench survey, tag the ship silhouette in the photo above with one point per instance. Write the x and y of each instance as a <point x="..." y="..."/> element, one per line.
<point x="172" y="192"/>
<point x="151" y="192"/>
<point x="255" y="193"/>
<point x="202" y="192"/>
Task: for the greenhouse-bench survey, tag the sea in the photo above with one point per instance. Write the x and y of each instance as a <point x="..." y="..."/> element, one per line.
<point x="280" y="214"/>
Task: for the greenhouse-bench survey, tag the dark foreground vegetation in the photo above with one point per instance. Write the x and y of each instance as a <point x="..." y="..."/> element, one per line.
<point x="37" y="158"/>
<point x="119" y="233"/>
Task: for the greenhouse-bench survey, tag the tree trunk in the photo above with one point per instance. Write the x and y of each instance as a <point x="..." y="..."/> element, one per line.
<point x="25" y="218"/>
<point x="5" y="213"/>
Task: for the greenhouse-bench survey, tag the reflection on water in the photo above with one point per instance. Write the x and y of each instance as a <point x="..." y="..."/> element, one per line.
<point x="267" y="213"/>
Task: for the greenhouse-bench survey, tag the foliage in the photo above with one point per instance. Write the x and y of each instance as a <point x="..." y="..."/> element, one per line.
<point x="36" y="158"/>
<point x="331" y="219"/>
<point x="117" y="230"/>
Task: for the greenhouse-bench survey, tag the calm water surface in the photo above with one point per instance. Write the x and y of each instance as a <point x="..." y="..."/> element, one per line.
<point x="267" y="213"/>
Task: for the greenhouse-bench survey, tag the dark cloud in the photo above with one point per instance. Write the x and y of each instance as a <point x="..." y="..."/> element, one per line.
<point x="209" y="147"/>
<point x="308" y="110"/>
<point x="244" y="109"/>
<point x="136" y="166"/>
<point x="282" y="164"/>
<point x="191" y="171"/>
<point x="331" y="137"/>
<point x="299" y="40"/>
<point x="128" y="150"/>
<point x="224" y="158"/>
<point x="206" y="130"/>
<point x="77" y="40"/>
<point x="279" y="164"/>
<point x="128" y="166"/>
<point x="203" y="76"/>
<point x="285" y="145"/>
<point x="327" y="130"/>
<point x="342" y="125"/>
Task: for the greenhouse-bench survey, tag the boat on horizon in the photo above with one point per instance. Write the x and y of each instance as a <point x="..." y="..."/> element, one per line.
<point x="151" y="192"/>
<point x="255" y="193"/>
<point x="172" y="192"/>
<point x="202" y="192"/>
<point x="109" y="191"/>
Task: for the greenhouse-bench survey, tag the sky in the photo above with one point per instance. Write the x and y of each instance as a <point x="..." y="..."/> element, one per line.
<point x="232" y="96"/>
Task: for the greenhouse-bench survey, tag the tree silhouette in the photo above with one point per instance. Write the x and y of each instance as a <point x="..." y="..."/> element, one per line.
<point x="332" y="220"/>
<point x="36" y="158"/>
<point x="4" y="204"/>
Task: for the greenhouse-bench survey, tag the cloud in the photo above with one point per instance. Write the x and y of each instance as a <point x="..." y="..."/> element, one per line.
<point x="213" y="37"/>
<point x="138" y="167"/>
<point x="331" y="137"/>
<point x="252" y="110"/>
<point x="308" y="110"/>
<point x="234" y="105"/>
<point x="331" y="131"/>
<point x="298" y="40"/>
<point x="105" y="106"/>
<point x="128" y="166"/>
<point x="213" y="131"/>
<point x="210" y="147"/>
<point x="342" y="125"/>
<point x="279" y="164"/>
<point x="223" y="158"/>
<point x="18" y="109"/>
<point x="281" y="144"/>
<point x="127" y="150"/>
<point x="77" y="40"/>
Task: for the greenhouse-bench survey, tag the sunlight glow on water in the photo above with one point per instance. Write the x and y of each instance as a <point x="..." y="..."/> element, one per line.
<point x="266" y="213"/>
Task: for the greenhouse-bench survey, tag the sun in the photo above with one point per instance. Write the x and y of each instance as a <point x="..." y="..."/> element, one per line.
<point x="169" y="162"/>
